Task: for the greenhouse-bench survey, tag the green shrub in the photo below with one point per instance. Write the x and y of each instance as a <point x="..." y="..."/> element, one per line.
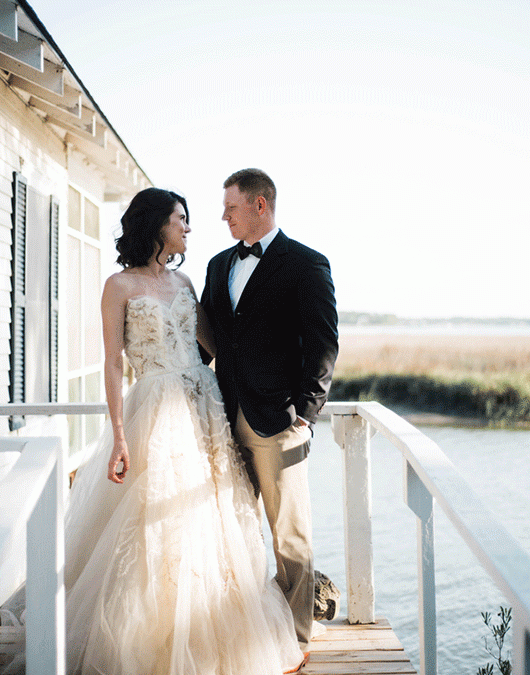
<point x="502" y="405"/>
<point x="498" y="631"/>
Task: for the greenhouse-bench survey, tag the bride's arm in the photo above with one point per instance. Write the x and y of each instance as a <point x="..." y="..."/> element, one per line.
<point x="113" y="315"/>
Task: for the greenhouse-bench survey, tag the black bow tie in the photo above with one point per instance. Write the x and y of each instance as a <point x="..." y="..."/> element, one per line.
<point x="243" y="250"/>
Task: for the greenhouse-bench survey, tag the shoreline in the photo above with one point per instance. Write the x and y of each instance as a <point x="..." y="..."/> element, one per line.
<point x="474" y="381"/>
<point x="422" y="419"/>
<point x="432" y="400"/>
<point x="431" y="419"/>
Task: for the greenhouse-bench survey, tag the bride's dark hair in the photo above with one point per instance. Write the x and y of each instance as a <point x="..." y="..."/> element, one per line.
<point x="141" y="223"/>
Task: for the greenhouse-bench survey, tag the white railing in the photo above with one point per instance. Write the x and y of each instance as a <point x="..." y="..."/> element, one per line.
<point x="31" y="514"/>
<point x="428" y="475"/>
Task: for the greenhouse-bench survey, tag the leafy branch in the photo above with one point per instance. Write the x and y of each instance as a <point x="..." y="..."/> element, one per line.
<point x="498" y="631"/>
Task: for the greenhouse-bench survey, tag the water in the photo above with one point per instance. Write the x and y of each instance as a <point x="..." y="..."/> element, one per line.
<point x="495" y="464"/>
<point x="458" y="329"/>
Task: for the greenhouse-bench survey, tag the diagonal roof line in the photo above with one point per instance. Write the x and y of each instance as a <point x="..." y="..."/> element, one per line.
<point x="46" y="35"/>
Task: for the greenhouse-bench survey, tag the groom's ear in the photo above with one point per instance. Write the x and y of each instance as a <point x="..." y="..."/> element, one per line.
<point x="261" y="204"/>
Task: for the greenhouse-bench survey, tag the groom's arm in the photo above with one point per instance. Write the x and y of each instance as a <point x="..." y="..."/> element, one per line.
<point x="319" y="337"/>
<point x="207" y="308"/>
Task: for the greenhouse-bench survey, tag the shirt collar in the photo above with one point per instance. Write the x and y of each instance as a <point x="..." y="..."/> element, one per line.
<point x="266" y="240"/>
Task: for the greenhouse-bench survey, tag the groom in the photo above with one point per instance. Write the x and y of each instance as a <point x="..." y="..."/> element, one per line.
<point x="271" y="304"/>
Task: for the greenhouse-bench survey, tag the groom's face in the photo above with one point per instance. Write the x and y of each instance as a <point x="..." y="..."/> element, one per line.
<point x="240" y="214"/>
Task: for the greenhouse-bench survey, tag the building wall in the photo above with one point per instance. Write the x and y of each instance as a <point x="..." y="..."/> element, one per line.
<point x="30" y="146"/>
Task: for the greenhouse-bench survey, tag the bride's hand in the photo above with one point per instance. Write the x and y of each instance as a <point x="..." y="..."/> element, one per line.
<point x="120" y="454"/>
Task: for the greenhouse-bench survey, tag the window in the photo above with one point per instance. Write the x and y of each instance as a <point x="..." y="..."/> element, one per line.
<point x="85" y="350"/>
<point x="34" y="297"/>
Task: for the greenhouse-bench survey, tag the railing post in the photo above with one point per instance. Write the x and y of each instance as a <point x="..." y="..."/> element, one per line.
<point x="420" y="501"/>
<point x="521" y="647"/>
<point x="45" y="602"/>
<point x="352" y="433"/>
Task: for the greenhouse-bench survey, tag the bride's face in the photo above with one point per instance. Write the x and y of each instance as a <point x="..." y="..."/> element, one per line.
<point x="175" y="230"/>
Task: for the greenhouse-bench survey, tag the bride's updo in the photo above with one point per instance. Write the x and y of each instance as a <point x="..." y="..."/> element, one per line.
<point x="141" y="223"/>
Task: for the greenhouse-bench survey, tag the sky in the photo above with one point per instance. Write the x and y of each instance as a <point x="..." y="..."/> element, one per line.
<point x="397" y="132"/>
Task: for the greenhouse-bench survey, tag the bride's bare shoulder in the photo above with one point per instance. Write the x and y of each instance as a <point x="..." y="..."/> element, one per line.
<point x="119" y="285"/>
<point x="182" y="280"/>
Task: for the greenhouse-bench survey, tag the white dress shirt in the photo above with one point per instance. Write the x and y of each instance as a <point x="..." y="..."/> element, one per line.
<point x="241" y="270"/>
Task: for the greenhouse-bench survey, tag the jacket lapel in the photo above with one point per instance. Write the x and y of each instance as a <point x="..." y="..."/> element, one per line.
<point x="223" y="294"/>
<point x="272" y="259"/>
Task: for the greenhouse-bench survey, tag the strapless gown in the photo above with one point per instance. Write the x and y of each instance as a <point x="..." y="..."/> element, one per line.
<point x="167" y="573"/>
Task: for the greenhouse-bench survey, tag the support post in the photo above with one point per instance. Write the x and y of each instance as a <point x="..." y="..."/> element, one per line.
<point x="521" y="647"/>
<point x="420" y="501"/>
<point x="352" y="433"/>
<point x="45" y="598"/>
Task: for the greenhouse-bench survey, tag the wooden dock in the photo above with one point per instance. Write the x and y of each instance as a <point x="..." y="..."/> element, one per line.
<point x="360" y="649"/>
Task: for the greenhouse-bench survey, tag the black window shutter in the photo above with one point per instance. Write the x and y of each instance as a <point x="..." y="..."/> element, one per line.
<point x="17" y="383"/>
<point x="54" y="299"/>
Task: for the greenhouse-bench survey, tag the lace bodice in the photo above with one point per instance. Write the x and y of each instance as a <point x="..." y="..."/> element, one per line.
<point x="160" y="337"/>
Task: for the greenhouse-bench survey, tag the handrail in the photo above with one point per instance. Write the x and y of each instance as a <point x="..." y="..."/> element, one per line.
<point x="32" y="516"/>
<point x="495" y="548"/>
<point x="7" y="409"/>
<point x="428" y="475"/>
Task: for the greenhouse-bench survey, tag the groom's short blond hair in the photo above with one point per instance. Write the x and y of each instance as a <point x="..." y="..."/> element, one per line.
<point x="254" y="183"/>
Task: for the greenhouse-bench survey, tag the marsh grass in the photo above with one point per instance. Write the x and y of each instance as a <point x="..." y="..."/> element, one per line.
<point x="484" y="377"/>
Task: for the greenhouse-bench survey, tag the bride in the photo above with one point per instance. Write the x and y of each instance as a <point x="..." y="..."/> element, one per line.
<point x="165" y="564"/>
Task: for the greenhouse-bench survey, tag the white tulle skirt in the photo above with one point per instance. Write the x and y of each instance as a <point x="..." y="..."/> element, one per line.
<point x="166" y="574"/>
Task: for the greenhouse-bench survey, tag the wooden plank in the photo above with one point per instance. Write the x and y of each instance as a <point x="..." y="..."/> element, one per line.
<point x="370" y="649"/>
<point x="352" y="634"/>
<point x="5" y="202"/>
<point x="359" y="669"/>
<point x="69" y="99"/>
<point x="341" y="622"/>
<point x="71" y="117"/>
<point x="358" y="656"/>
<point x="8" y="20"/>
<point x="342" y="632"/>
<point x="340" y="635"/>
<point x="51" y="77"/>
<point x="354" y="644"/>
<point x="27" y="49"/>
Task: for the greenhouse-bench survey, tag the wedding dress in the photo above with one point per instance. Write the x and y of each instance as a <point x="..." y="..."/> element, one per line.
<point x="166" y="574"/>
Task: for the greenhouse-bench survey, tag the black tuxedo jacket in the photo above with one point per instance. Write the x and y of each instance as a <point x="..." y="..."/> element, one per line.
<point x="276" y="352"/>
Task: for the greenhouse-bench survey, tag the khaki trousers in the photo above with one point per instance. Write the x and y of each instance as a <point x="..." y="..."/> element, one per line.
<point x="277" y="467"/>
